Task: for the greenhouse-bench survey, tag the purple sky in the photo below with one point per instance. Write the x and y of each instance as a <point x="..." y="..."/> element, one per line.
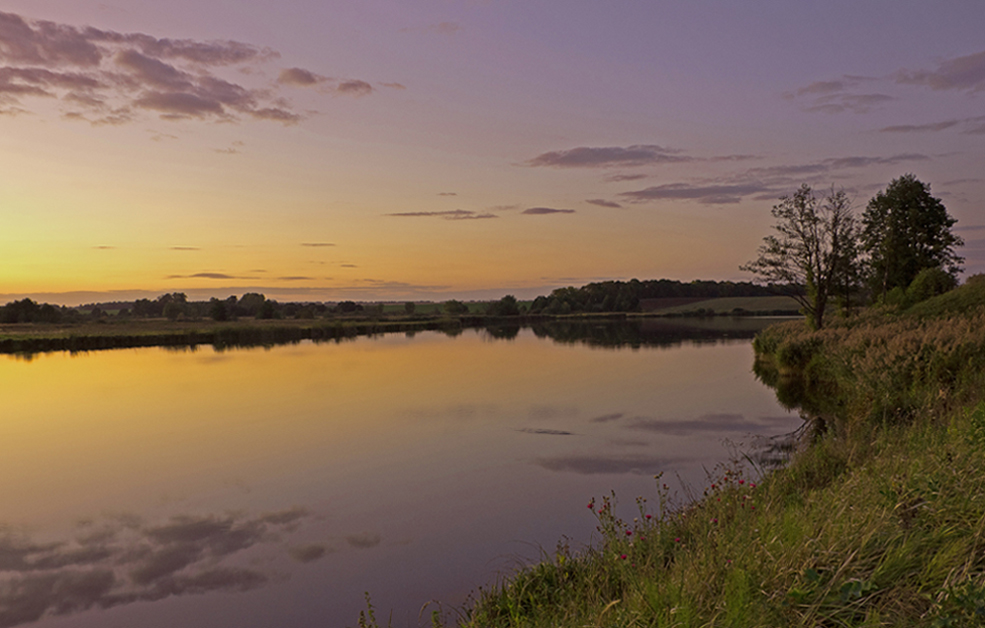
<point x="438" y="149"/>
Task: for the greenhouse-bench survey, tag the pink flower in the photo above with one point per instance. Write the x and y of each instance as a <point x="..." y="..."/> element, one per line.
<point x="714" y="520"/>
<point x="677" y="540"/>
<point x="648" y="516"/>
<point x="629" y="533"/>
<point x="623" y="557"/>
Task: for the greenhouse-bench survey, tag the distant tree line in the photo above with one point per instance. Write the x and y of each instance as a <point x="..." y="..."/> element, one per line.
<point x="626" y="296"/>
<point x="28" y="311"/>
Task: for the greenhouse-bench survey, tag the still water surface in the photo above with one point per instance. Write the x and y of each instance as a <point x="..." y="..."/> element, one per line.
<point x="273" y="486"/>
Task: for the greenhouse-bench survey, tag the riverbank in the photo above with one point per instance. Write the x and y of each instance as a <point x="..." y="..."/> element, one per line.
<point x="877" y="520"/>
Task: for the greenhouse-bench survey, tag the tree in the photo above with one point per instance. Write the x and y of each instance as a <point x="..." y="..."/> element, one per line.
<point x="813" y="249"/>
<point x="906" y="230"/>
<point x="507" y="306"/>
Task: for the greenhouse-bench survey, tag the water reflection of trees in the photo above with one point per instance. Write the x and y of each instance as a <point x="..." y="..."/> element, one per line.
<point x="640" y="333"/>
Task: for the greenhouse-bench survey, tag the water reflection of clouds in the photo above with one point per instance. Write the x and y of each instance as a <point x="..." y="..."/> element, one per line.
<point x="122" y="559"/>
<point x="715" y="423"/>
<point x="607" y="464"/>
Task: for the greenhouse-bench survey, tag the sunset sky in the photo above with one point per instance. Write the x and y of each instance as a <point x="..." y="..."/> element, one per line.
<point x="435" y="149"/>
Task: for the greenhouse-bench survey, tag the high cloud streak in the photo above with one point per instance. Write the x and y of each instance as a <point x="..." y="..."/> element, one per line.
<point x="455" y="214"/>
<point x="602" y="157"/>
<point x="107" y="77"/>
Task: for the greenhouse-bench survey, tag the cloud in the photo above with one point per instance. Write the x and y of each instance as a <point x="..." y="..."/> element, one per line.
<point x="295" y="278"/>
<point x="354" y="88"/>
<point x="184" y="248"/>
<point x="121" y="560"/>
<point x="762" y="183"/>
<point x="961" y="73"/>
<point x="596" y="465"/>
<point x="607" y="418"/>
<point x="541" y="211"/>
<point x="707" y="194"/>
<point x="603" y="157"/>
<point x="855" y="103"/>
<point x="206" y="276"/>
<point x="106" y="77"/>
<point x="394" y="85"/>
<point x="838" y="96"/>
<point x="916" y="128"/>
<point x="447" y="194"/>
<point x="616" y="178"/>
<point x="317" y="244"/>
<point x="300" y="77"/>
<point x="456" y="214"/>
<point x="531" y="430"/>
<point x="308" y="553"/>
<point x="445" y="28"/>
<point x="603" y="203"/>
<point x="364" y="540"/>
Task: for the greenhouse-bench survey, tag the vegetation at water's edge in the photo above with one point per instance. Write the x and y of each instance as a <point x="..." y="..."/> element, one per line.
<point x="878" y="520"/>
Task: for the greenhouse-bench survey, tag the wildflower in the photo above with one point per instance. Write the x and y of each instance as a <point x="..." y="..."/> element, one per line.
<point x="649" y="516"/>
<point x="715" y="521"/>
<point x="742" y="481"/>
<point x="629" y="533"/>
<point x="623" y="557"/>
<point x="714" y="486"/>
<point x="677" y="540"/>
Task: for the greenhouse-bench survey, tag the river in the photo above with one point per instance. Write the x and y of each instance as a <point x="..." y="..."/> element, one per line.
<point x="259" y="487"/>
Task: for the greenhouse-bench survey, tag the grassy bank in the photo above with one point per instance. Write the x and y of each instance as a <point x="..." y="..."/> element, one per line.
<point x="878" y="519"/>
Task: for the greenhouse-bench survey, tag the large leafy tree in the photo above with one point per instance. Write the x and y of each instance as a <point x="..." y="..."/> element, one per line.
<point x="906" y="230"/>
<point x="813" y="249"/>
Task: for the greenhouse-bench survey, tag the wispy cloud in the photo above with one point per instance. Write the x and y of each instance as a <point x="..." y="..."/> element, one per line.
<point x="207" y="276"/>
<point x="542" y="211"/>
<point x="838" y="96"/>
<point x="762" y="182"/>
<point x="917" y="128"/>
<point x="455" y="214"/>
<point x="708" y="194"/>
<point x="960" y="73"/>
<point x="317" y="244"/>
<point x="608" y="156"/>
<point x="184" y="248"/>
<point x="108" y="78"/>
<point x="603" y="203"/>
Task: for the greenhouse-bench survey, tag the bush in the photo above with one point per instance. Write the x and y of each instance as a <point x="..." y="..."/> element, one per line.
<point x="929" y="282"/>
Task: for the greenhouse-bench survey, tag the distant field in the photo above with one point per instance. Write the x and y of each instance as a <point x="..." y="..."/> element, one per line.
<point x="724" y="305"/>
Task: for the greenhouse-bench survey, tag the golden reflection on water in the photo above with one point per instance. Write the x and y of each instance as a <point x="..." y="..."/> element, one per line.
<point x="422" y="439"/>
